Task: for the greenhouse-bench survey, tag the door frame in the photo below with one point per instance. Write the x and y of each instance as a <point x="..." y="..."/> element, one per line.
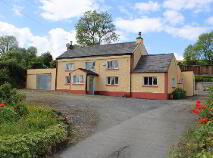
<point x="89" y="77"/>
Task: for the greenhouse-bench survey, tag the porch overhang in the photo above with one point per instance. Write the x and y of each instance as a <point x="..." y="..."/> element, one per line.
<point x="88" y="72"/>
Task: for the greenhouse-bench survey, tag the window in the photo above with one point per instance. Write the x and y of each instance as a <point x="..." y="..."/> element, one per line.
<point x="173" y="83"/>
<point x="150" y="81"/>
<point x="113" y="64"/>
<point x="89" y="65"/>
<point x="112" y="80"/>
<point x="67" y="80"/>
<point x="69" y="66"/>
<point x="77" y="79"/>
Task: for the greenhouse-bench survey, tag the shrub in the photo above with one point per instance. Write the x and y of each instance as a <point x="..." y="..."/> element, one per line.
<point x="21" y="109"/>
<point x="33" y="144"/>
<point x="179" y="93"/>
<point x="210" y="89"/>
<point x="7" y="115"/>
<point x="10" y="96"/>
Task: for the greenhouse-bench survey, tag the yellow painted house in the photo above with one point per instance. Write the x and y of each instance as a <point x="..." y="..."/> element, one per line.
<point x="122" y="69"/>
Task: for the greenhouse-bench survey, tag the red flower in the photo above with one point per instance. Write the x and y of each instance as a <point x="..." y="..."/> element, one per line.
<point x="204" y="120"/>
<point x="197" y="101"/>
<point x="201" y="107"/>
<point x="2" y="105"/>
<point x="195" y="111"/>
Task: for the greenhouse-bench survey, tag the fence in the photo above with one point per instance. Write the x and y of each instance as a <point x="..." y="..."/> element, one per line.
<point x="198" y="69"/>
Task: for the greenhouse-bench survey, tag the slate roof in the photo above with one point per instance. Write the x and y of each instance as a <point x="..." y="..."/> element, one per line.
<point x="99" y="50"/>
<point x="89" y="72"/>
<point x="154" y="63"/>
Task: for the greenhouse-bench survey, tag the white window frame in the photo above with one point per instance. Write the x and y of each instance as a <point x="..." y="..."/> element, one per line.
<point x="66" y="81"/>
<point x="79" y="79"/>
<point x="68" y="67"/>
<point x="174" y="83"/>
<point x="152" y="82"/>
<point x="112" y="66"/>
<point x="91" y="62"/>
<point x="110" y="80"/>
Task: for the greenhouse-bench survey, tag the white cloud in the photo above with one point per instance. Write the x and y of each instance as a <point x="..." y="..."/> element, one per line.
<point x="187" y="31"/>
<point x="197" y="5"/>
<point x="55" y="41"/>
<point x="18" y="10"/>
<point x="146" y="25"/>
<point x="178" y="56"/>
<point x="210" y="20"/>
<point x="149" y="6"/>
<point x="173" y="17"/>
<point x="64" y="9"/>
<point x="143" y="24"/>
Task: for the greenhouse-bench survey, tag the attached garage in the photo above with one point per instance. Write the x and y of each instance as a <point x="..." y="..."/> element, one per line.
<point x="43" y="79"/>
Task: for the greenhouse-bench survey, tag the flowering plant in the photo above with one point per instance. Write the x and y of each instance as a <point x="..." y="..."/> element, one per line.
<point x="204" y="111"/>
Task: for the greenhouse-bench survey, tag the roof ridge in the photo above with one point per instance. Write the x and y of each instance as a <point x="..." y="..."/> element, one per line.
<point x="159" y="54"/>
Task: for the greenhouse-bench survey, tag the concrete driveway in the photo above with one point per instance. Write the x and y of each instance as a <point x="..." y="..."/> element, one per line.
<point x="127" y="127"/>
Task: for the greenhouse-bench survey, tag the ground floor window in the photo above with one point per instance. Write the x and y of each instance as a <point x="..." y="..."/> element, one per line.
<point x="67" y="80"/>
<point x="77" y="79"/>
<point x="150" y="81"/>
<point x="174" y="83"/>
<point x="112" y="80"/>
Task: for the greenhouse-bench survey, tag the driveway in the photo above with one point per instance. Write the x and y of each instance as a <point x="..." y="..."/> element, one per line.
<point x="127" y="127"/>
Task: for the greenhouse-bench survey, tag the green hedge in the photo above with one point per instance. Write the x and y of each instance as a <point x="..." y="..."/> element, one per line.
<point x="31" y="145"/>
<point x="204" y="78"/>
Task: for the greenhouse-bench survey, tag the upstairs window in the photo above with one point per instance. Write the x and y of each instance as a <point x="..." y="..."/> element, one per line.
<point x="113" y="64"/>
<point x="150" y="81"/>
<point x="90" y="65"/>
<point x="77" y="79"/>
<point x="67" y="80"/>
<point x="112" y="80"/>
<point x="69" y="66"/>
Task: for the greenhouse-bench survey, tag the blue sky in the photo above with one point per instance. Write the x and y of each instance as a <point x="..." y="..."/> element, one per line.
<point x="167" y="26"/>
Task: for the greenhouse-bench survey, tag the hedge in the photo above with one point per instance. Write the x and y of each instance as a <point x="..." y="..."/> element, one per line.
<point x="204" y="78"/>
<point x="31" y="145"/>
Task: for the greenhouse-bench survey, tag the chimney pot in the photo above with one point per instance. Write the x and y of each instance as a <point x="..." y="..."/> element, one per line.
<point x="139" y="39"/>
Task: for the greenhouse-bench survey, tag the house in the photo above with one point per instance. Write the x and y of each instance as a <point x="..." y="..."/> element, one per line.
<point x="121" y="69"/>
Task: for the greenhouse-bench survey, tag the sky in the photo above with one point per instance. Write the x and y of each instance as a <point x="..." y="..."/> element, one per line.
<point x="167" y="26"/>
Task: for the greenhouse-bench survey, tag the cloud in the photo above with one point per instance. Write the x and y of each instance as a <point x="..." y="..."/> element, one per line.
<point x="64" y="9"/>
<point x="173" y="17"/>
<point x="143" y="24"/>
<point x="187" y="31"/>
<point x="18" y="10"/>
<point x="178" y="56"/>
<point x="146" y="25"/>
<point x="210" y="20"/>
<point x="55" y="41"/>
<point x="196" y="5"/>
<point x="147" y="7"/>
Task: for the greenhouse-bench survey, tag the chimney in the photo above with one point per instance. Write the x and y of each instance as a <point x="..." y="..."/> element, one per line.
<point x="69" y="45"/>
<point x="139" y="39"/>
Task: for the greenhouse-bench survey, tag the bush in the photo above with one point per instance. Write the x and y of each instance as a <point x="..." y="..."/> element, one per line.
<point x="10" y="96"/>
<point x="33" y="144"/>
<point x="179" y="93"/>
<point x="7" y="115"/>
<point x="210" y="89"/>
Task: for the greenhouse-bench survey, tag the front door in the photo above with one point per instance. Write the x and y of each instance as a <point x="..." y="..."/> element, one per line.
<point x="91" y="87"/>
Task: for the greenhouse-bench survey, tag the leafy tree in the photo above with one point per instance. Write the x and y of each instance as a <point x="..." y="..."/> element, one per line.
<point x="94" y="28"/>
<point x="201" y="52"/>
<point x="46" y="58"/>
<point x="190" y="55"/>
<point x="7" y="43"/>
<point x="204" y="46"/>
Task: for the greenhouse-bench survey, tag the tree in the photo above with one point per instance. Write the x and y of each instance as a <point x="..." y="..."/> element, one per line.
<point x="190" y="55"/>
<point x="201" y="52"/>
<point x="46" y="59"/>
<point x="94" y="28"/>
<point x="7" y="43"/>
<point x="204" y="46"/>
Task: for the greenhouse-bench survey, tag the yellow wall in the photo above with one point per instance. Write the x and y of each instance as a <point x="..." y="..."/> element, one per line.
<point x="174" y="72"/>
<point x="31" y="77"/>
<point x="137" y="82"/>
<point x="189" y="83"/>
<point x="123" y="73"/>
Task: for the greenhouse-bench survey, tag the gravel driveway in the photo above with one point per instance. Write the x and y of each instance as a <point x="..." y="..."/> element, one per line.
<point x="127" y="127"/>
